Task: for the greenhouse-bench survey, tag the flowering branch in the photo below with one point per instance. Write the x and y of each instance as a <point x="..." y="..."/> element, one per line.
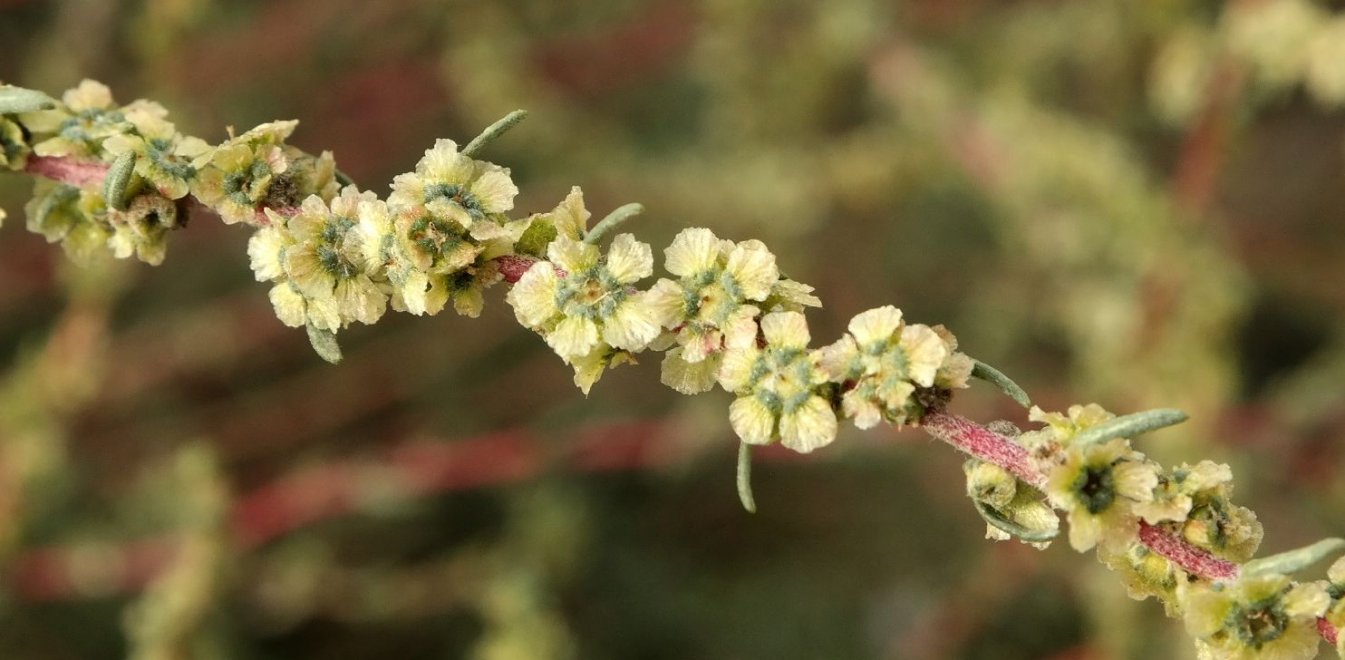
<point x="118" y="178"/>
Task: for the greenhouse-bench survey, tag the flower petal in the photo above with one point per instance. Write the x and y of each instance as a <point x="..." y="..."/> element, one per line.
<point x="752" y="421"/>
<point x="534" y="296"/>
<point x="629" y="260"/>
<point x="632" y="326"/>
<point x="811" y="426"/>
<point x="753" y="267"/>
<point x="573" y="337"/>
<point x="785" y="329"/>
<point x="692" y="251"/>
<point x="571" y="255"/>
<point x="876" y="326"/>
<point x="687" y="377"/>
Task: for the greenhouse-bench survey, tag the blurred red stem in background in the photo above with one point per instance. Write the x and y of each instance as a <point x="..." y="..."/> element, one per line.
<point x="337" y="489"/>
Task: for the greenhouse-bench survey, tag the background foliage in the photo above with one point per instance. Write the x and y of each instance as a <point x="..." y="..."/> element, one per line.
<point x="1133" y="203"/>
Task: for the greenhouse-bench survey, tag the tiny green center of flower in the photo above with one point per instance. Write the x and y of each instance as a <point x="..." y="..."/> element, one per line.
<point x="458" y="195"/>
<point x="1259" y="624"/>
<point x="434" y="236"/>
<point x="1095" y="488"/>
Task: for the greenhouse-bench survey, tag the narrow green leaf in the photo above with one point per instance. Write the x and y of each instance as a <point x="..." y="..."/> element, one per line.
<point x="118" y="180"/>
<point x="324" y="342"/>
<point x="1294" y="560"/>
<point x="14" y="100"/>
<point x="494" y="131"/>
<point x="999" y="521"/>
<point x="997" y="378"/>
<point x="1129" y="426"/>
<point x="745" y="477"/>
<point x="613" y="220"/>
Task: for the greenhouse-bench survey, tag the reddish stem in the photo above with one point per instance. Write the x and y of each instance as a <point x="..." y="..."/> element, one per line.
<point x="980" y="442"/>
<point x="1328" y="632"/>
<point x="81" y="173"/>
<point x="512" y="266"/>
<point x="1193" y="560"/>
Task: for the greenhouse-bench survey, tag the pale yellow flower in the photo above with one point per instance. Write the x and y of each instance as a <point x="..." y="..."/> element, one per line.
<point x="1097" y="485"/>
<point x="451" y="186"/>
<point x="879" y="365"/>
<point x="779" y="386"/>
<point x="164" y="157"/>
<point x="718" y="282"/>
<point x="580" y="297"/>
<point x="1265" y="617"/>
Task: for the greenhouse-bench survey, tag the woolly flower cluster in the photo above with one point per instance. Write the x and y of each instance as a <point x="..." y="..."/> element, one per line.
<point x="79" y="139"/>
<point x="336" y="262"/>
<point x="728" y="318"/>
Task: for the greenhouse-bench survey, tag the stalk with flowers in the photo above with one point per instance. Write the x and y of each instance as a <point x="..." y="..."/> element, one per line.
<point x="117" y="179"/>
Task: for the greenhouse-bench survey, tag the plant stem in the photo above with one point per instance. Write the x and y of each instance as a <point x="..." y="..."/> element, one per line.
<point x="980" y="442"/>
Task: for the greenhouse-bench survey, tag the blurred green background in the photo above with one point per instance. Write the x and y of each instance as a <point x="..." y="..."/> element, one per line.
<point x="1133" y="203"/>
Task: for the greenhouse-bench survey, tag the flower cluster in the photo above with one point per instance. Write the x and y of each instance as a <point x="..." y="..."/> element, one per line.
<point x="720" y="285"/>
<point x="444" y="225"/>
<point x="316" y="260"/>
<point x="79" y="138"/>
<point x="585" y="305"/>
<point x="250" y="173"/>
<point x="1097" y="484"/>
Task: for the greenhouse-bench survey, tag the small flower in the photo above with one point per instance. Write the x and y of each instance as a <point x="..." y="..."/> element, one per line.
<point x="1194" y="502"/>
<point x="580" y="298"/>
<point x="163" y="156"/>
<point x="75" y="217"/>
<point x="236" y="177"/>
<point x="1098" y="486"/>
<point x="14" y="148"/>
<point x="718" y="282"/>
<point x="325" y="257"/>
<point x="1146" y="573"/>
<point x="86" y="117"/>
<point x="779" y="386"/>
<point x="454" y="187"/>
<point x="955" y="372"/>
<point x="1263" y="617"/>
<point x="256" y="170"/>
<point x="1077" y="418"/>
<point x="880" y="363"/>
<point x="142" y="229"/>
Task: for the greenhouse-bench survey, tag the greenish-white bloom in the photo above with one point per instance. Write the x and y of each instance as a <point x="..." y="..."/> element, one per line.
<point x="142" y="229"/>
<point x="450" y="186"/>
<point x="86" y="116"/>
<point x="879" y="365"/>
<point x="1263" y="617"/>
<point x="580" y="298"/>
<point x="718" y="283"/>
<point x="164" y="157"/>
<point x="76" y="218"/>
<point x="779" y="386"/>
<point x="1195" y="502"/>
<point x="317" y="260"/>
<point x="255" y="171"/>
